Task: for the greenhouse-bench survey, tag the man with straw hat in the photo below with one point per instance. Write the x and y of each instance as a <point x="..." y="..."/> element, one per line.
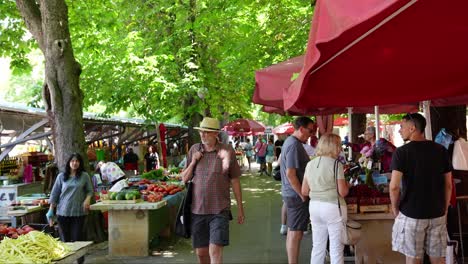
<point x="213" y="168"/>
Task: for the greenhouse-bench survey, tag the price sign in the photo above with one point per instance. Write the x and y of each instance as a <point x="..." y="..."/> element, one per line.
<point x="7" y="196"/>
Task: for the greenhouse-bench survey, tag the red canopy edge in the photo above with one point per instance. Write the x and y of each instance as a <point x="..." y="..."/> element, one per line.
<point x="244" y="127"/>
<point x="407" y="56"/>
<point x="272" y="80"/>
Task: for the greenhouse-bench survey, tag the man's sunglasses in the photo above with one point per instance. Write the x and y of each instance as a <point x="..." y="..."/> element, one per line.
<point x="311" y="130"/>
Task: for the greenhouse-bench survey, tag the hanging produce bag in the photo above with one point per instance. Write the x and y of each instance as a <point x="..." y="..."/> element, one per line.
<point x="460" y="155"/>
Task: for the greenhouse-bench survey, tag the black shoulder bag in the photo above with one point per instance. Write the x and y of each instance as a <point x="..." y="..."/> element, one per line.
<point x="184" y="215"/>
<point x="277" y="173"/>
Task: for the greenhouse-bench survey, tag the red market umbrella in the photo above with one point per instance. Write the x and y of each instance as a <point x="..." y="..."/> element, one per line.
<point x="385" y="109"/>
<point x="244" y="127"/>
<point x="340" y="121"/>
<point x="374" y="52"/>
<point x="273" y="80"/>
<point x="286" y="128"/>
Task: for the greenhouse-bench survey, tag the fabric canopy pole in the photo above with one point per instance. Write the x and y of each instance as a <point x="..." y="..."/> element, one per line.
<point x="377" y="122"/>
<point x="350" y="133"/>
<point x="427" y="115"/>
<point x="350" y="125"/>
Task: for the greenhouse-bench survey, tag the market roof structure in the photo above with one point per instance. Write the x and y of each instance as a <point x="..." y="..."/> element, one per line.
<point x="19" y="124"/>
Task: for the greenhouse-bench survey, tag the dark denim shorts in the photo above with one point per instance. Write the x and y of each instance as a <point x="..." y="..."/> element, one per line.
<point x="210" y="229"/>
<point x="261" y="159"/>
<point x="297" y="212"/>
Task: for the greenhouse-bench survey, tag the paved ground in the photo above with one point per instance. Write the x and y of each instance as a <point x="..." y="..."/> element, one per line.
<point x="257" y="241"/>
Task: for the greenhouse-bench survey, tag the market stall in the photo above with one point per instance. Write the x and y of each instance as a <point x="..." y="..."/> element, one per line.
<point x="368" y="203"/>
<point x="141" y="222"/>
<point x="373" y="248"/>
<point x="10" y="193"/>
<point x="370" y="41"/>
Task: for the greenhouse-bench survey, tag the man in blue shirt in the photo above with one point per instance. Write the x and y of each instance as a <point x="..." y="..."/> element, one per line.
<point x="293" y="161"/>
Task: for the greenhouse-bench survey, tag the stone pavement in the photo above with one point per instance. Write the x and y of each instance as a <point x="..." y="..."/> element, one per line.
<point x="257" y="241"/>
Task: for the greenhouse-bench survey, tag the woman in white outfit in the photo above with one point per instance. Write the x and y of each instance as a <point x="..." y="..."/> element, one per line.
<point x="321" y="187"/>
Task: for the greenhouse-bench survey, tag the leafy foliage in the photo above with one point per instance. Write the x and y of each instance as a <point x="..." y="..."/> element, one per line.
<point x="14" y="38"/>
<point x="168" y="59"/>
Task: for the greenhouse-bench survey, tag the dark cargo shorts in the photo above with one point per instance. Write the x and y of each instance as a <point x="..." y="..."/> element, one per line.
<point x="297" y="213"/>
<point x="210" y="229"/>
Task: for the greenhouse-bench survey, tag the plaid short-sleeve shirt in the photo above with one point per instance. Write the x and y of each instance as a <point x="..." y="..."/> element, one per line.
<point x="212" y="179"/>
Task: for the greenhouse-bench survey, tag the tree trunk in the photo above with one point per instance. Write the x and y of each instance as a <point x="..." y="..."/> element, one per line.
<point x="47" y="20"/>
<point x="193" y="135"/>
<point x="452" y="118"/>
<point x="358" y="126"/>
<point x="48" y="23"/>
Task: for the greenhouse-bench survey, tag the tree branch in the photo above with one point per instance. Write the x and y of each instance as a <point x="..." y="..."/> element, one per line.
<point x="31" y="14"/>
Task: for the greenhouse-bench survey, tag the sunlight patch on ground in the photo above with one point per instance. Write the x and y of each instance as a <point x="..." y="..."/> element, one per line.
<point x="234" y="202"/>
<point x="164" y="254"/>
<point x="258" y="189"/>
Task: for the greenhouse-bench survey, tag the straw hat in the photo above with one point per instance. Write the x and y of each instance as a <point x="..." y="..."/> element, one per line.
<point x="209" y="124"/>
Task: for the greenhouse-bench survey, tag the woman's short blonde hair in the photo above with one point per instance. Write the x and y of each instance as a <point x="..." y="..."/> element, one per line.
<point x="329" y="145"/>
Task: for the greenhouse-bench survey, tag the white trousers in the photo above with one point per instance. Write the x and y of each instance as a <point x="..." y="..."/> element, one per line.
<point x="326" y="222"/>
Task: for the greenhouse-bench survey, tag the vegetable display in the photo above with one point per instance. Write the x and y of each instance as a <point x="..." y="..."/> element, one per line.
<point x="34" y="247"/>
<point x="12" y="232"/>
<point x="125" y="195"/>
<point x="154" y="174"/>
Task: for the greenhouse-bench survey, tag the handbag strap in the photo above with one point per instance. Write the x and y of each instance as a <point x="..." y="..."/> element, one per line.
<point x="200" y="148"/>
<point x="335" y="172"/>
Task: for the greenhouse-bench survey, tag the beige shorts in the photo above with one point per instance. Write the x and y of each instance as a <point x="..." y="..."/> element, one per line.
<point x="412" y="237"/>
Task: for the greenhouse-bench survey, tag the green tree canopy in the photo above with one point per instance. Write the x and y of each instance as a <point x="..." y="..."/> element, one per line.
<point x="168" y="60"/>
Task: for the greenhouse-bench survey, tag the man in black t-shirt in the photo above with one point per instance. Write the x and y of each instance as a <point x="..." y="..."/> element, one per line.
<point x="423" y="169"/>
<point x="278" y="145"/>
<point x="131" y="161"/>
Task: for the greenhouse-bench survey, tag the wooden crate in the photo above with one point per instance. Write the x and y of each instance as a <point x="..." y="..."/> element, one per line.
<point x="121" y="201"/>
<point x="374" y="208"/>
<point x="352" y="208"/>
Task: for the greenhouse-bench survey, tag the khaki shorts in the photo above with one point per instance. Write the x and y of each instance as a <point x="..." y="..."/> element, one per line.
<point x="412" y="237"/>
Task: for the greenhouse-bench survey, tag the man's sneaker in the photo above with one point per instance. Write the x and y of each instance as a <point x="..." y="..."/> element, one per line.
<point x="283" y="230"/>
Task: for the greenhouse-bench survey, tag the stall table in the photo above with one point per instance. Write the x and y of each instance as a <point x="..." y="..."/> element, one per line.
<point x="9" y="194"/>
<point x="16" y="215"/>
<point x="138" y="223"/>
<point x="79" y="249"/>
<point x="375" y="245"/>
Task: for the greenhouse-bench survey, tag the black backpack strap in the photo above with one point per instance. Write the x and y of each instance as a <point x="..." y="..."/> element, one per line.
<point x="335" y="172"/>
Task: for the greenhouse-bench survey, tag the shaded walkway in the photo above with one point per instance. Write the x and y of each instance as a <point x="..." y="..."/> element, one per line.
<point x="257" y="241"/>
